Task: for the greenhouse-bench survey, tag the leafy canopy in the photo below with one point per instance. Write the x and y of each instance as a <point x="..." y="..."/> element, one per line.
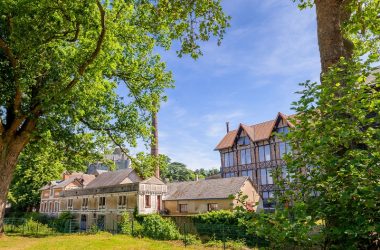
<point x="76" y="67"/>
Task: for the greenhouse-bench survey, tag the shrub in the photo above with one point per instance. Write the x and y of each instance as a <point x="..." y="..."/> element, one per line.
<point x="66" y="223"/>
<point x="156" y="227"/>
<point x="34" y="227"/>
<point x="190" y="239"/>
<point x="225" y="224"/>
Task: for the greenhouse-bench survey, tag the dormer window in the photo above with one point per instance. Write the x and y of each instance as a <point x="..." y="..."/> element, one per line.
<point x="244" y="140"/>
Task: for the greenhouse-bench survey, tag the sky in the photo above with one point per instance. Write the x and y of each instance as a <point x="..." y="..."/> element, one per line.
<point x="269" y="49"/>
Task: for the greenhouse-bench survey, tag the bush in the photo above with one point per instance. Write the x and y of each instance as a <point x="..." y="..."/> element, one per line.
<point x="220" y="225"/>
<point x="66" y="223"/>
<point x="190" y="239"/>
<point x="156" y="227"/>
<point x="233" y="245"/>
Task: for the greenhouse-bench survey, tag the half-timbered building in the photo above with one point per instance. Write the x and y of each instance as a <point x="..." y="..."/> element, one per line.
<point x="256" y="151"/>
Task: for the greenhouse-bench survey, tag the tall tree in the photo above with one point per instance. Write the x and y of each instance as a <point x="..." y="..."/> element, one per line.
<point x="177" y="171"/>
<point x="61" y="63"/>
<point x="333" y="173"/>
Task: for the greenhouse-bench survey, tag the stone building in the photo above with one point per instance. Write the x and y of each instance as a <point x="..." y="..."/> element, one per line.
<point x="103" y="200"/>
<point x="194" y="197"/>
<point x="50" y="194"/>
<point x="255" y="151"/>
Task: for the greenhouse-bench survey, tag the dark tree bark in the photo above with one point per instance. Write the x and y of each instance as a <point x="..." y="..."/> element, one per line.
<point x="10" y="150"/>
<point x="331" y="15"/>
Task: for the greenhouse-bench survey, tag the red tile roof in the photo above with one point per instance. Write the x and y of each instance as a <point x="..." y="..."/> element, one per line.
<point x="256" y="132"/>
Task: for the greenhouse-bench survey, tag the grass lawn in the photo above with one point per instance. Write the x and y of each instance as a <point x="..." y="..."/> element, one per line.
<point x="88" y="242"/>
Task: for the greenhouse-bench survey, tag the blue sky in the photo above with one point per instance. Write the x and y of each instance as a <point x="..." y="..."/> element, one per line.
<point x="270" y="48"/>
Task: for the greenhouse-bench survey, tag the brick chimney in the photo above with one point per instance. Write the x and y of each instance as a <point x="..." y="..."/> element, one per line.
<point x="66" y="175"/>
<point x="154" y="144"/>
<point x="228" y="127"/>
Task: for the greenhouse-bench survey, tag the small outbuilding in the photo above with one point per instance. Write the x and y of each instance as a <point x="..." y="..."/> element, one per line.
<point x="195" y="197"/>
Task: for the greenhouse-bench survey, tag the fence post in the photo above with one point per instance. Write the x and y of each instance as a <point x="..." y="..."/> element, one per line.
<point x="224" y="237"/>
<point x="185" y="233"/>
<point x="132" y="225"/>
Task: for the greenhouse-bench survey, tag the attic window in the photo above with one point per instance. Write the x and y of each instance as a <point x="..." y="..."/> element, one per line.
<point x="244" y="140"/>
<point x="283" y="130"/>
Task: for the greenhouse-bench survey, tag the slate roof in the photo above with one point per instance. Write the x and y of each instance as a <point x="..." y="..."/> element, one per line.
<point x="256" y="132"/>
<point x="113" y="178"/>
<point x="205" y="189"/>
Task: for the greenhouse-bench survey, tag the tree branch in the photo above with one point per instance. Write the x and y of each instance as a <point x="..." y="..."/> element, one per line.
<point x="95" y="53"/>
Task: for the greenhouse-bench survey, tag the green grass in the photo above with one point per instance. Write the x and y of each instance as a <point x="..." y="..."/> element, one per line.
<point x="89" y="242"/>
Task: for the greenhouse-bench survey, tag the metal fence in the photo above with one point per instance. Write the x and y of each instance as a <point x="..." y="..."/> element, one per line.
<point x="222" y="233"/>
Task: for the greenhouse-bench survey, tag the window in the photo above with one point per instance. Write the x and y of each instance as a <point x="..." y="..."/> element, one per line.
<point x="264" y="153"/>
<point x="56" y="207"/>
<point x="147" y="201"/>
<point x="286" y="174"/>
<point x="283" y="130"/>
<point x="268" y="199"/>
<point x="84" y="203"/>
<point x="183" y="208"/>
<point x="102" y="202"/>
<point x="212" y="206"/>
<point x="284" y="148"/>
<point x="246" y="173"/>
<point x="245" y="156"/>
<point x="70" y="204"/>
<point x="244" y="140"/>
<point x="228" y="159"/>
<point x="51" y="191"/>
<point x="266" y="176"/>
<point x="122" y="201"/>
<point x="228" y="175"/>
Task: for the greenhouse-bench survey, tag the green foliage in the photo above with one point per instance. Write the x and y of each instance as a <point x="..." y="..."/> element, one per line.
<point x="145" y="164"/>
<point x="41" y="163"/>
<point x="68" y="58"/>
<point x="94" y="229"/>
<point x="126" y="223"/>
<point x="156" y="227"/>
<point x="217" y="217"/>
<point x="336" y="167"/>
<point x="177" y="171"/>
<point x="224" y="224"/>
<point x="190" y="239"/>
<point x="229" y="244"/>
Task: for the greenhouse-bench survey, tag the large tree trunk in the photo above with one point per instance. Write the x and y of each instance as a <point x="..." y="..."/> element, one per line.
<point x="331" y="14"/>
<point x="9" y="153"/>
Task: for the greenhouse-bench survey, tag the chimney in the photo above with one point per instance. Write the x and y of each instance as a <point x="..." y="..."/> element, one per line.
<point x="228" y="127"/>
<point x="154" y="144"/>
<point x="65" y="175"/>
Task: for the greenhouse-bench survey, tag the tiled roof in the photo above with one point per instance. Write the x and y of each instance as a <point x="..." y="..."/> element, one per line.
<point x="256" y="132"/>
<point x="205" y="189"/>
<point x="114" y="178"/>
<point x="51" y="184"/>
<point x="87" y="178"/>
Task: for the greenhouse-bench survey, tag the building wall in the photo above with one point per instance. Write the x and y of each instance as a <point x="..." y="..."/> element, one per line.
<point x="275" y="162"/>
<point x="197" y="206"/>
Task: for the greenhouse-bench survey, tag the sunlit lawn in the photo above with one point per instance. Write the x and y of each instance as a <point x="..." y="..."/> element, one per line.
<point x="98" y="241"/>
